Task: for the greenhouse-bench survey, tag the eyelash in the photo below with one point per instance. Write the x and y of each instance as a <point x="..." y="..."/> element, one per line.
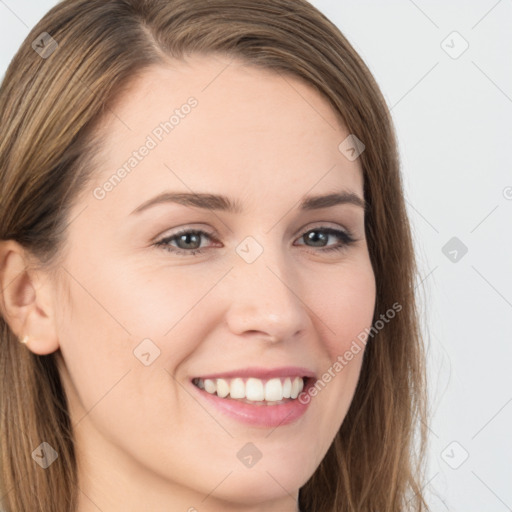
<point x="345" y="236"/>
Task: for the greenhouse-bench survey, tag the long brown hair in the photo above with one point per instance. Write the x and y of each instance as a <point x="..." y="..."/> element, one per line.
<point x="50" y="103"/>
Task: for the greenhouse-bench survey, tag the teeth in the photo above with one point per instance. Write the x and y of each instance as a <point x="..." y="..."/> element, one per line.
<point x="297" y="386"/>
<point x="210" y="386"/>
<point x="255" y="390"/>
<point x="287" y="388"/>
<point x="237" y="388"/>
<point x="222" y="388"/>
<point x="273" y="390"/>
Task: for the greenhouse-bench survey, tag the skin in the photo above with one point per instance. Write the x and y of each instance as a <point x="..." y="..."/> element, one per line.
<point x="143" y="442"/>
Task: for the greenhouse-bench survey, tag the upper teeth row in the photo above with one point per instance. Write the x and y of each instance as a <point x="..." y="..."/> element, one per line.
<point x="254" y="389"/>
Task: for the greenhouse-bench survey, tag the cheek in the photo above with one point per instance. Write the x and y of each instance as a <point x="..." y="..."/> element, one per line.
<point x="105" y="349"/>
<point x="121" y="318"/>
<point x="346" y="307"/>
<point x="156" y="297"/>
<point x="116" y="308"/>
<point x="96" y="347"/>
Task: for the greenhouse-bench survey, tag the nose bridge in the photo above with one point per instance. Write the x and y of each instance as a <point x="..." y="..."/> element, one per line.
<point x="265" y="295"/>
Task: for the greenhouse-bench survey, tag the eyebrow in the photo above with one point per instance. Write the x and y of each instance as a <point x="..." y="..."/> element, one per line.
<point x="223" y="203"/>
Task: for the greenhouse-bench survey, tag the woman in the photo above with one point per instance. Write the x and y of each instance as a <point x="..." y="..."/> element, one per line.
<point x="206" y="256"/>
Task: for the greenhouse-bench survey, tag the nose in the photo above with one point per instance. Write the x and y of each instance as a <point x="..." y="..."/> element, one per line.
<point x="265" y="300"/>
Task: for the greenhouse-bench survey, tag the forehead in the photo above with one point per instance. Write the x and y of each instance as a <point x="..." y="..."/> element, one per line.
<point x="210" y="123"/>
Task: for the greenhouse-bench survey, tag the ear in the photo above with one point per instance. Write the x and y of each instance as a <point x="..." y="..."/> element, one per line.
<point x="26" y="299"/>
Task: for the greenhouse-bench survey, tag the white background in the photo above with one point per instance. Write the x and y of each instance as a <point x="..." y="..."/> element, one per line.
<point x="454" y="124"/>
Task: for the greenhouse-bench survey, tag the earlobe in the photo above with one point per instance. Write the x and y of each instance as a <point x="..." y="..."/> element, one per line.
<point x="25" y="300"/>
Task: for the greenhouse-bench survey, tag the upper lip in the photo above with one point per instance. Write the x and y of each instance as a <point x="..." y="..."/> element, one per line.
<point x="261" y="373"/>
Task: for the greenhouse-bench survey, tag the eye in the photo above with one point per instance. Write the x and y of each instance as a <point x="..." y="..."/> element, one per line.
<point x="320" y="235"/>
<point x="188" y="241"/>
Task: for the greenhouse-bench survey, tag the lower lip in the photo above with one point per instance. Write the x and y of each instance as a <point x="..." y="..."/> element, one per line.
<point x="267" y="416"/>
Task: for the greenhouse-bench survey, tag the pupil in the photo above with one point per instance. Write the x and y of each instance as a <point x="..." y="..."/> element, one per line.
<point x="185" y="237"/>
<point x="314" y="236"/>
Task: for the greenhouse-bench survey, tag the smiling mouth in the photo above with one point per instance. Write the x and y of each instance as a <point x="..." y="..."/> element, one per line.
<point x="274" y="391"/>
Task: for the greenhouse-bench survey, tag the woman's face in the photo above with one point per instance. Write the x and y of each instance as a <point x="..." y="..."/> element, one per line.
<point x="268" y="298"/>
